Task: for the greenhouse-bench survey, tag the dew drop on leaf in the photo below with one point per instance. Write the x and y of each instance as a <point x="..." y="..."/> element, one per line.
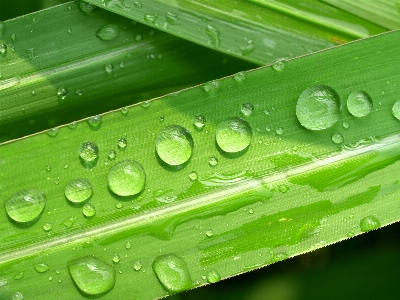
<point x="88" y="154"/>
<point x="128" y="245"/>
<point x="172" y="272"/>
<point x="369" y="223"/>
<point x="91" y="275"/>
<point x="94" y="122"/>
<point x="62" y="93"/>
<point x="239" y="77"/>
<point x="108" y="32"/>
<point x="359" y="103"/>
<point x="213" y="276"/>
<point x="199" y="122"/>
<point x="116" y="259"/>
<point x="247" y="109"/>
<point x="26" y="205"/>
<point x="3" y="49"/>
<point x="279" y="65"/>
<point x="396" y="110"/>
<point x="233" y="135"/>
<point x="42" y="267"/>
<point x="279" y="131"/>
<point x="109" y="68"/>
<point x="88" y="210"/>
<point x="87" y="8"/>
<point x="124" y="111"/>
<point x="112" y="155"/>
<point x="337" y="138"/>
<point x="122" y="143"/>
<point x="47" y="226"/>
<point x="174" y="145"/>
<point x="213" y="161"/>
<point x="193" y="176"/>
<point x="318" y="107"/>
<point x="213" y="33"/>
<point x="53" y="132"/>
<point x="137" y="265"/>
<point x="126" y="178"/>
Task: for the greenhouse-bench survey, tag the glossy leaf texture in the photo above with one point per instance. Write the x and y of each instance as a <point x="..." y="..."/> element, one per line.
<point x="54" y="68"/>
<point x="222" y="211"/>
<point x="238" y="28"/>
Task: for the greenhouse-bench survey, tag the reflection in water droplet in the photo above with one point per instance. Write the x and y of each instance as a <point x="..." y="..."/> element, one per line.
<point x="213" y="161"/>
<point x="396" y="110"/>
<point x="172" y="272"/>
<point x="62" y="93"/>
<point x="369" y="223"/>
<point x="91" y="275"/>
<point x="116" y="259"/>
<point x="53" y="132"/>
<point x="213" y="33"/>
<point x="137" y="265"/>
<point x="145" y="104"/>
<point x="88" y="210"/>
<point x="94" y="122"/>
<point x="359" y="103"/>
<point x="112" y="155"/>
<point x="233" y="135"/>
<point x="318" y="107"/>
<point x="337" y="138"/>
<point x="109" y="68"/>
<point x="47" y="226"/>
<point x="122" y="143"/>
<point x="26" y="205"/>
<point x="108" y="32"/>
<point x="128" y="245"/>
<point x="126" y="178"/>
<point x="213" y="276"/>
<point x="199" y="122"/>
<point x="279" y="65"/>
<point x="72" y="125"/>
<point x="174" y="145"/>
<point x="150" y="18"/>
<point x="124" y="111"/>
<point x="209" y="233"/>
<point x="41" y="268"/>
<point x="193" y="176"/>
<point x="247" y="109"/>
<point x="88" y="154"/>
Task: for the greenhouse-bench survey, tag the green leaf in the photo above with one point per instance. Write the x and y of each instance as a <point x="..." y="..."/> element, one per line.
<point x="290" y="191"/>
<point x="243" y="30"/>
<point x="55" y="70"/>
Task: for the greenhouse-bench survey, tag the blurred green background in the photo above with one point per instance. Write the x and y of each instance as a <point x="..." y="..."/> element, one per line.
<point x="364" y="267"/>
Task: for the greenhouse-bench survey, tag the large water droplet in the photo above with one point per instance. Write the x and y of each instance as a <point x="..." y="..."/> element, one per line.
<point x="126" y="178"/>
<point x="78" y="190"/>
<point x="318" y="107"/>
<point x="88" y="154"/>
<point x="91" y="275"/>
<point x="87" y="8"/>
<point x="213" y="33"/>
<point x="369" y="223"/>
<point x="26" y="205"/>
<point x="88" y="210"/>
<point x="233" y="135"/>
<point x="396" y="110"/>
<point x="108" y="32"/>
<point x="172" y="273"/>
<point x="359" y="103"/>
<point x="41" y="268"/>
<point x="174" y="145"/>
<point x="213" y="276"/>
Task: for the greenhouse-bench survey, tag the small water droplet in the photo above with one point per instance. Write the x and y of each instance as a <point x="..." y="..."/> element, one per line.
<point x="172" y="19"/>
<point x="211" y="86"/>
<point x="109" y="68"/>
<point x="33" y="93"/>
<point x="213" y="161"/>
<point x="119" y="205"/>
<point x="137" y="265"/>
<point x="346" y="125"/>
<point x="174" y="145"/>
<point x="193" y="176"/>
<point x="17" y="296"/>
<point x="48" y="168"/>
<point x="69" y="30"/>
<point x="94" y="122"/>
<point x="248" y="47"/>
<point x="233" y="135"/>
<point x="126" y="178"/>
<point x="53" y="132"/>
<point x="128" y="245"/>
<point x="150" y="18"/>
<point x="251" y="211"/>
<point x="337" y="138"/>
<point x="145" y="104"/>
<point x="283" y="188"/>
<point x="88" y="154"/>
<point x="279" y="65"/>
<point x="3" y="49"/>
<point x="396" y="110"/>
<point x="47" y="226"/>
<point x="116" y="259"/>
<point x="213" y="276"/>
<point x="124" y="111"/>
<point x="91" y="275"/>
<point x="172" y="272"/>
<point x="247" y="109"/>
<point x="112" y="155"/>
<point x="19" y="276"/>
<point x="69" y="222"/>
<point x="138" y="37"/>
<point x="359" y="103"/>
<point x="199" y="122"/>
<point x="279" y="131"/>
<point x="79" y="92"/>
<point x="137" y="4"/>
<point x="122" y="143"/>
<point x="87" y="8"/>
<point x="213" y="33"/>
<point x="62" y="93"/>
<point x="209" y="233"/>
<point x="108" y="32"/>
<point x="41" y="268"/>
<point x="26" y="205"/>
<point x="239" y="77"/>
<point x="78" y="190"/>
<point x="369" y="223"/>
<point x="318" y="107"/>
<point x="72" y="125"/>
<point x="13" y="36"/>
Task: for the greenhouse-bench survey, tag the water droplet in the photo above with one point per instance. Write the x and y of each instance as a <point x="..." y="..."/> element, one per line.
<point x="13" y="36"/>
<point x="119" y="205"/>
<point x="122" y="143"/>
<point x="112" y="155"/>
<point x="213" y="161"/>
<point x="279" y="131"/>
<point x="41" y="268"/>
<point x="369" y="223"/>
<point x="150" y="18"/>
<point x="109" y="68"/>
<point x="87" y="8"/>
<point x="247" y="109"/>
<point x="69" y="30"/>
<point x="239" y="77"/>
<point x="279" y="65"/>
<point x="78" y="190"/>
<point x="47" y="226"/>
<point x="137" y="265"/>
<point x="251" y="211"/>
<point x="94" y="122"/>
<point x="283" y="188"/>
<point x="88" y="154"/>
<point x="108" y="32"/>
<point x="213" y="33"/>
<point x="138" y="37"/>
<point x="62" y="93"/>
<point x="3" y="49"/>
<point x="48" y="168"/>
<point x="396" y="110"/>
<point x="172" y="19"/>
<point x="91" y="275"/>
<point x="346" y="125"/>
<point x="209" y="233"/>
<point x="211" y="86"/>
<point x="33" y="93"/>
<point x="318" y="107"/>
<point x="233" y="135"/>
<point x="359" y="103"/>
<point x="337" y="138"/>
<point x="53" y="132"/>
<point x="17" y="296"/>
<point x="248" y="47"/>
<point x="116" y="259"/>
<point x="145" y="104"/>
<point x="128" y="245"/>
<point x="69" y="222"/>
<point x="126" y="178"/>
<point x="26" y="205"/>
<point x="174" y="145"/>
<point x="19" y="276"/>
<point x="213" y="276"/>
<point x="72" y="125"/>
<point x="193" y="176"/>
<point x="199" y="122"/>
<point x="172" y="272"/>
<point x="124" y="111"/>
